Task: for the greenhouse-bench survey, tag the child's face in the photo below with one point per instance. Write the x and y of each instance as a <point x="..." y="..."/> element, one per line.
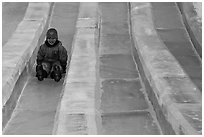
<point x="51" y="41"/>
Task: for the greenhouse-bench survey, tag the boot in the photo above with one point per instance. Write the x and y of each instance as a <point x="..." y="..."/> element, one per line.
<point x="56" y="74"/>
<point x="40" y="73"/>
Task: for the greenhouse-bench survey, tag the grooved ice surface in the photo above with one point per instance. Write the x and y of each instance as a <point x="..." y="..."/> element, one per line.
<point x="117" y="66"/>
<point x="36" y="109"/>
<point x="122" y="96"/>
<point x="139" y="123"/>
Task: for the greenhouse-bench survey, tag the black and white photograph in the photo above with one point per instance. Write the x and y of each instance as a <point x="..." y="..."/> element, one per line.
<point x="101" y="68"/>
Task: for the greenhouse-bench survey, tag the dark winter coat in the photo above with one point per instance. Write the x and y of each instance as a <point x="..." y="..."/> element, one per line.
<point x="52" y="53"/>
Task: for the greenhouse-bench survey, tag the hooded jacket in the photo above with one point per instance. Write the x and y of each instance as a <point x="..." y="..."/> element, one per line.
<point x="52" y="53"/>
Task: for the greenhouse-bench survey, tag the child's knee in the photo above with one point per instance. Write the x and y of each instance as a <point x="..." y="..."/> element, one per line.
<point x="46" y="67"/>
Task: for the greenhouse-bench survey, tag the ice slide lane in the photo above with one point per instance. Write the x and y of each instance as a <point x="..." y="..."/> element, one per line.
<point x="36" y="108"/>
<point x="17" y="53"/>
